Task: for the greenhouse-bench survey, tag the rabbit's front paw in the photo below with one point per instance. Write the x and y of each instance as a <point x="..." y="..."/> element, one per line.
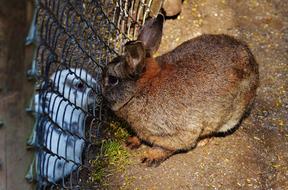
<point x="133" y="142"/>
<point x="155" y="155"/>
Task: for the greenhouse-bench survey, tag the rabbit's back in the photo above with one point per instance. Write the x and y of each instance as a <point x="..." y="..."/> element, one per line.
<point x="211" y="53"/>
<point x="206" y="83"/>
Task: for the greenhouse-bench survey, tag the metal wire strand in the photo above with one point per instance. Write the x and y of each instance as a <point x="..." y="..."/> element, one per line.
<point x="75" y="40"/>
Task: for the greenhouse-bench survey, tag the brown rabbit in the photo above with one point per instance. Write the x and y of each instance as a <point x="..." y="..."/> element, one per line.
<point x="202" y="87"/>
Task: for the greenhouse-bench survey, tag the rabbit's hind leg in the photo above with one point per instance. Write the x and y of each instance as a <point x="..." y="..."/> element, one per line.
<point x="166" y="146"/>
<point x="236" y="114"/>
<point x="133" y="142"/>
<point x="180" y="140"/>
<point x="153" y="156"/>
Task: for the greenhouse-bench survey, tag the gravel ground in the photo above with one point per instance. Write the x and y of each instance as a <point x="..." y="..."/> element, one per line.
<point x="256" y="155"/>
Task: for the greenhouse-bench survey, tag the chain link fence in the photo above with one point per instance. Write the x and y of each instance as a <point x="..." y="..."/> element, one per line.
<point x="74" y="41"/>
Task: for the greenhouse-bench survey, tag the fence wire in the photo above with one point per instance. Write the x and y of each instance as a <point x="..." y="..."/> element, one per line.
<point x="74" y="40"/>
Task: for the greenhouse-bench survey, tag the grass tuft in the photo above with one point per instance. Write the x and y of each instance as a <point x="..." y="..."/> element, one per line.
<point x="116" y="154"/>
<point x="113" y="156"/>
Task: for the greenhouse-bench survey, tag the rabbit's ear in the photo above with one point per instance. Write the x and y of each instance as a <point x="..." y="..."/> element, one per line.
<point x="151" y="34"/>
<point x="134" y="57"/>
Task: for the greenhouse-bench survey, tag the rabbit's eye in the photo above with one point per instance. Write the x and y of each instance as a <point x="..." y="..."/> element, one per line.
<point x="113" y="80"/>
<point x="80" y="86"/>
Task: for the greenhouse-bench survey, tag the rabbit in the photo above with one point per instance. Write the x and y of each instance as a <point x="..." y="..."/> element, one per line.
<point x="67" y="143"/>
<point x="172" y="8"/>
<point x="63" y="144"/>
<point x="71" y="88"/>
<point x="74" y="88"/>
<point x="63" y="113"/>
<point x="52" y="168"/>
<point x="202" y="87"/>
<point x="150" y="32"/>
<point x="68" y="149"/>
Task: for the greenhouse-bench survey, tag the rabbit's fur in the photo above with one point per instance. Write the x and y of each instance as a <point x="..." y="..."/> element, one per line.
<point x="203" y="86"/>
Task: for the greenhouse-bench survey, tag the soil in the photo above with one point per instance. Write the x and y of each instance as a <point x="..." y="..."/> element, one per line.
<point x="255" y="156"/>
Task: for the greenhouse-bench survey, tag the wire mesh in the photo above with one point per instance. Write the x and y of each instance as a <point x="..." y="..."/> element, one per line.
<point x="75" y="39"/>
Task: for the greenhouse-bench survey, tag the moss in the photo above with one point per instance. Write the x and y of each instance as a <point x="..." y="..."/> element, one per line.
<point x="113" y="156"/>
<point x="119" y="130"/>
<point x="98" y="170"/>
<point x="116" y="154"/>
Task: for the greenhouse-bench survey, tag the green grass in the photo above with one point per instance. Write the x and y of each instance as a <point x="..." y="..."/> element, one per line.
<point x="98" y="170"/>
<point x="113" y="156"/>
<point x="119" y="130"/>
<point x="116" y="154"/>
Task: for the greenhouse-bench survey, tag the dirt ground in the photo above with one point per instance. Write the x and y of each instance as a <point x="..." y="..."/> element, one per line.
<point x="256" y="155"/>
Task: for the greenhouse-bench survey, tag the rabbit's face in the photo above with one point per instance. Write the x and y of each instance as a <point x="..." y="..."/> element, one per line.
<point x="77" y="88"/>
<point x="120" y="75"/>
